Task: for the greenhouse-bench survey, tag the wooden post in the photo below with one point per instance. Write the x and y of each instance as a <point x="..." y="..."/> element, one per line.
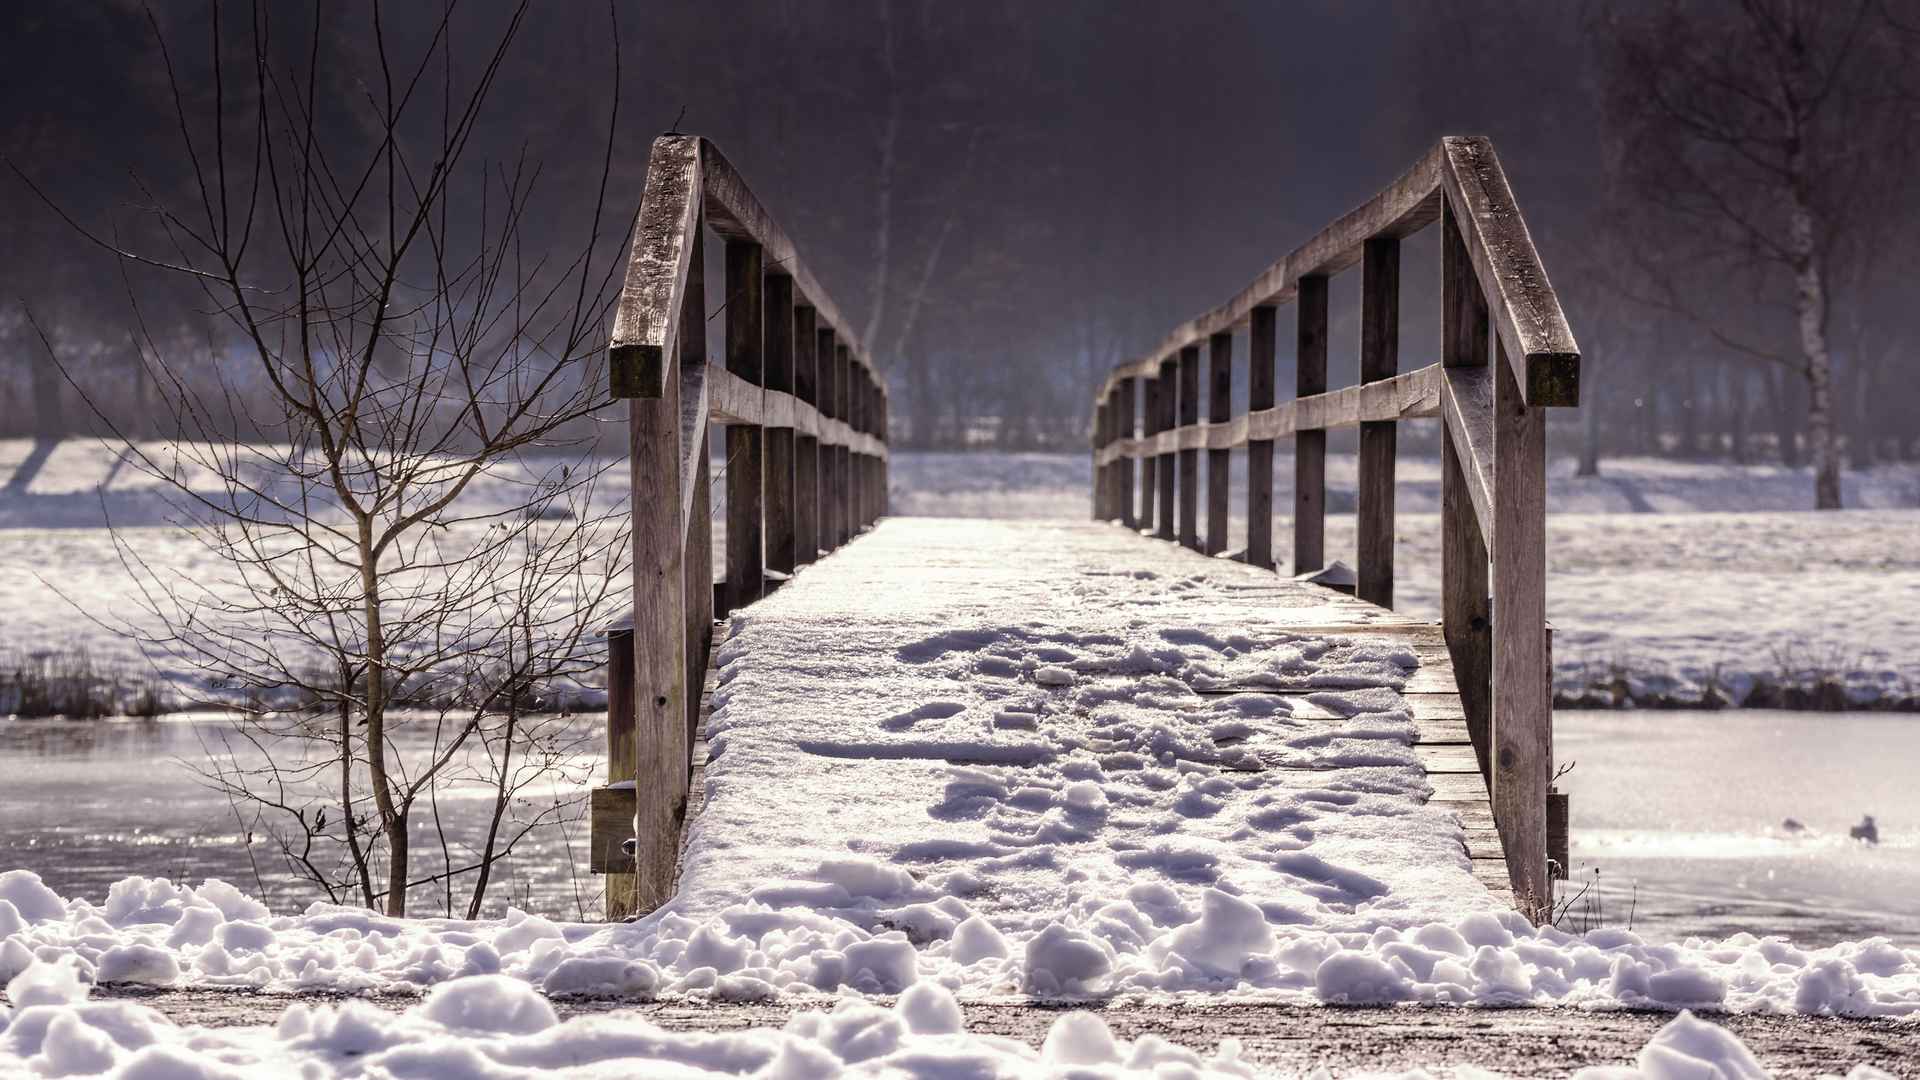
<point x="621" y="759"/>
<point x="880" y="467"/>
<point x="660" y="603"/>
<point x="843" y="527"/>
<point x="779" y="440"/>
<point x="1310" y="447"/>
<point x="1467" y="615"/>
<point x="1379" y="359"/>
<point x="1123" y="467"/>
<point x="829" y="454"/>
<point x="745" y="573"/>
<point x="857" y="462"/>
<point x="1169" y="412"/>
<point x="806" y="450"/>
<point x="1522" y="699"/>
<point x="1219" y="463"/>
<point x="876" y="427"/>
<point x="1190" y="459"/>
<point x="1149" y="425"/>
<point x="1262" y="342"/>
<point x="1098" y="441"/>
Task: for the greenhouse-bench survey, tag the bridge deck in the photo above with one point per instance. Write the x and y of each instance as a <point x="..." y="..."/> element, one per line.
<point x="1033" y="716"/>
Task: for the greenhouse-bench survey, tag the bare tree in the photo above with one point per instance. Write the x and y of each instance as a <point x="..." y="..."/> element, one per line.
<point x="1756" y="135"/>
<point x="413" y="538"/>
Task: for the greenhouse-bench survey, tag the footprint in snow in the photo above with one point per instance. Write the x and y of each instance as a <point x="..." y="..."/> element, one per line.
<point x="932" y="710"/>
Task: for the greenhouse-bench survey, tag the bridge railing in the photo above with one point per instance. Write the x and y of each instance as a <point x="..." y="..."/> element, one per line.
<point x="806" y="451"/>
<point x="1506" y="355"/>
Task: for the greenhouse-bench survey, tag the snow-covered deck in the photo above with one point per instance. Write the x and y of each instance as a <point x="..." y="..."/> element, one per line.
<point x="964" y="728"/>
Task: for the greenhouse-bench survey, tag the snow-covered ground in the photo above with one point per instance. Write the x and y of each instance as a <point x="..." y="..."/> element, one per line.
<point x="1666" y="580"/>
<point x="977" y="757"/>
<point x="491" y="1027"/>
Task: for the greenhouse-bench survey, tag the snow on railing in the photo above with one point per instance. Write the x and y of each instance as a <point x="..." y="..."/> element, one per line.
<point x="806" y="421"/>
<point x="1494" y="446"/>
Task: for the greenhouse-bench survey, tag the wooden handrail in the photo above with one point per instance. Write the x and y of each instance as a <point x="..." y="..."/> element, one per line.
<point x="805" y="411"/>
<point x="1496" y="300"/>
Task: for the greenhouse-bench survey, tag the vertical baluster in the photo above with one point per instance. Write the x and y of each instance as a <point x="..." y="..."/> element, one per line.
<point x="1379" y="359"/>
<point x="1522" y="698"/>
<point x="1149" y="426"/>
<point x="1310" y="447"/>
<point x="745" y="299"/>
<point x="806" y="450"/>
<point x="856" y="462"/>
<point x="829" y="376"/>
<point x="1219" y="462"/>
<point x="1169" y="414"/>
<point x="843" y="527"/>
<point x="1189" y="458"/>
<point x="1128" y="411"/>
<point x="1467" y="615"/>
<point x="779" y="439"/>
<point x="1262" y="339"/>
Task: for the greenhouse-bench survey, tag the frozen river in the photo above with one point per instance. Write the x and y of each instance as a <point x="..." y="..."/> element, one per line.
<point x="1681" y="813"/>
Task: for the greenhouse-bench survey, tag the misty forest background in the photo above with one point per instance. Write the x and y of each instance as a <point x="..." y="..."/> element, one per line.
<point x="1010" y="197"/>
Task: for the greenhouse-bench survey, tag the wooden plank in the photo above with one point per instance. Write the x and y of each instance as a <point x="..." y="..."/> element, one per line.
<point x="1169" y="415"/>
<point x="856" y="476"/>
<point x="843" y="457"/>
<point x="1401" y="209"/>
<point x="609" y="825"/>
<point x="1406" y="396"/>
<point x="1522" y="688"/>
<point x="829" y="375"/>
<point x="1262" y="344"/>
<point x="734" y="212"/>
<point x="1446" y="758"/>
<point x="656" y="462"/>
<point x="1467" y="405"/>
<point x="778" y="356"/>
<point x="621" y="762"/>
<point x="1128" y="418"/>
<point x="806" y="451"/>
<point x="666" y="240"/>
<point x="1310" y="447"/>
<point x="1525" y="310"/>
<point x="1190" y="458"/>
<point x="1149" y="426"/>
<point x="745" y="314"/>
<point x="1379" y="359"/>
<point x="1220" y="410"/>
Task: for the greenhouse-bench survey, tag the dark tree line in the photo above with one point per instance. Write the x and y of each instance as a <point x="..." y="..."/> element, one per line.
<point x="1012" y="197"/>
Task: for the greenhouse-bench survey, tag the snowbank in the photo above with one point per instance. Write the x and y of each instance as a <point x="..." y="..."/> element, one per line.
<point x="493" y="1027"/>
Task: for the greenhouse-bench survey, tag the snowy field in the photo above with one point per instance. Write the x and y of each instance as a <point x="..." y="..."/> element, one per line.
<point x="1665" y="580"/>
<point x="1668" y="582"/>
<point x="1698" y="576"/>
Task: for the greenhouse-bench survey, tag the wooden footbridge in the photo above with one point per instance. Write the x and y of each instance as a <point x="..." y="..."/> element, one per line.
<point x="805" y="411"/>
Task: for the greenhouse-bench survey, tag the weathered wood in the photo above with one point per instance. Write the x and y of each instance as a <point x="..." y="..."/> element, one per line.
<point x="609" y="824"/>
<point x="1169" y="414"/>
<point x="1310" y="447"/>
<point x="1465" y="488"/>
<point x="621" y="761"/>
<point x="1522" y="693"/>
<point x="666" y="237"/>
<point x="1407" y="396"/>
<point x="1262" y="344"/>
<point x="806" y="450"/>
<point x="1219" y="411"/>
<point x="1524" y="309"/>
<point x="1149" y="427"/>
<point x="697" y="580"/>
<point x="856" y="476"/>
<point x="734" y="212"/>
<point x="1559" y="840"/>
<point x="1128" y="417"/>
<point x="745" y="468"/>
<point x="656" y="462"/>
<point x="779" y="360"/>
<point x="843" y="526"/>
<point x="1379" y="359"/>
<point x="1189" y="366"/>
<point x="1403" y="208"/>
<point x="829" y="370"/>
